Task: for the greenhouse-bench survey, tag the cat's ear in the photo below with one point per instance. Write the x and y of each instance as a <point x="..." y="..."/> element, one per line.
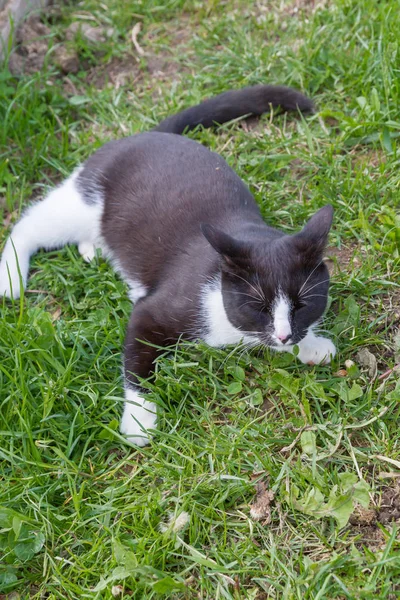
<point x="233" y="251"/>
<point x="314" y="235"/>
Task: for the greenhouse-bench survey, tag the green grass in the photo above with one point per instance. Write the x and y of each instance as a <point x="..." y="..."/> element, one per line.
<point x="81" y="509"/>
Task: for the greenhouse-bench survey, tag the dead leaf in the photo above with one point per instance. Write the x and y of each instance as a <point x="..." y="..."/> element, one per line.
<point x="135" y="32"/>
<point x="261" y="508"/>
<point x="56" y="314"/>
<point x="368" y="360"/>
<point x="341" y="373"/>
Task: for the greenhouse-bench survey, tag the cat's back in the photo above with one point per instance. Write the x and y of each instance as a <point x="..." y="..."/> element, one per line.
<point x="157" y="188"/>
<point x="161" y="172"/>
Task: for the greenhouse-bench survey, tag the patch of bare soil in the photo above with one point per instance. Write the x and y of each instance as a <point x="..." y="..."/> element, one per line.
<point x="365" y="521"/>
<point x="372" y="537"/>
<point x="118" y="72"/>
<point x="132" y="69"/>
<point x="32" y="38"/>
<point x="363" y="517"/>
<point x="345" y="258"/>
<point x="372" y="158"/>
<point x="389" y="509"/>
<point x="33" y="43"/>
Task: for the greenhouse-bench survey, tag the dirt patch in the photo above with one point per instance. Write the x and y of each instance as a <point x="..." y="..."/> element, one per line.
<point x="363" y="517"/>
<point x="163" y="68"/>
<point x="118" y="72"/>
<point x="32" y="38"/>
<point x="389" y="509"/>
<point x="343" y="259"/>
<point x="366" y="521"/>
<point x="371" y="158"/>
<point x="129" y="70"/>
<point x="372" y="537"/>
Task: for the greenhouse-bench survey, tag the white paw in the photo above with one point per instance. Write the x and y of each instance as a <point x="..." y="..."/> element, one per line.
<point x="138" y="418"/>
<point x="10" y="285"/>
<point x="87" y="250"/>
<point x="14" y="261"/>
<point x="315" y="350"/>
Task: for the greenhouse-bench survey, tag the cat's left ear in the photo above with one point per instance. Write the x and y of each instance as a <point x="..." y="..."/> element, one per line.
<point x="314" y="235"/>
<point x="232" y="250"/>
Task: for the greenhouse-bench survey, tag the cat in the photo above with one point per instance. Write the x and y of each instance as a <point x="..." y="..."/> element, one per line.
<point x="186" y="234"/>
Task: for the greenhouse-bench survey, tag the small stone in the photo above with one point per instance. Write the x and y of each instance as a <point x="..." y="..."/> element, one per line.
<point x="349" y="363"/>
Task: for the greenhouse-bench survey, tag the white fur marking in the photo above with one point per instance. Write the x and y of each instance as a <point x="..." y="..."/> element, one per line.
<point x="220" y="331"/>
<point x="87" y="250"/>
<point x="62" y="217"/>
<point x="282" y="328"/>
<point x="139" y="415"/>
<point x="136" y="290"/>
<point x="316" y="350"/>
<point x="313" y="349"/>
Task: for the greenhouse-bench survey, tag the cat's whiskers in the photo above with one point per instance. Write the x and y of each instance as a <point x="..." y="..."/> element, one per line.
<point x="259" y="287"/>
<point x="310" y="275"/>
<point x="313" y="296"/>
<point x="250" y="302"/>
<point x="250" y="284"/>
<point x="314" y="286"/>
<point x="242" y="294"/>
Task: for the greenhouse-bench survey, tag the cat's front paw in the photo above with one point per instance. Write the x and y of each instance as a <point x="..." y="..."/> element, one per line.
<point x="315" y="350"/>
<point x="87" y="250"/>
<point x="138" y="420"/>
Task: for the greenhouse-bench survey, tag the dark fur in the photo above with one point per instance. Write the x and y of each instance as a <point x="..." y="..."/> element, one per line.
<point x="176" y="215"/>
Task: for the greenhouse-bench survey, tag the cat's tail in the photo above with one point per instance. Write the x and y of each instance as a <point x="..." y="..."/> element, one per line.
<point x="225" y="107"/>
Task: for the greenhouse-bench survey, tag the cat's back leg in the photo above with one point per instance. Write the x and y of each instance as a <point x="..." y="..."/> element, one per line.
<point x="64" y="216"/>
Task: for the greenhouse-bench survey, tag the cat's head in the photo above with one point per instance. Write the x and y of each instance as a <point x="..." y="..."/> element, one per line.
<point x="278" y="288"/>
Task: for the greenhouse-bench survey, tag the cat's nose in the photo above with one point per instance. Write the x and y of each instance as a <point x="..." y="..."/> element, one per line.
<point x="284" y="338"/>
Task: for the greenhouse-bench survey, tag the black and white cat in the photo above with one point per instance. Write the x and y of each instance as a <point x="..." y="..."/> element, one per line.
<point x="186" y="234"/>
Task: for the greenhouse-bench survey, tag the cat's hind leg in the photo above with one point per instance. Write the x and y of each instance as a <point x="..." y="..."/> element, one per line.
<point x="62" y="217"/>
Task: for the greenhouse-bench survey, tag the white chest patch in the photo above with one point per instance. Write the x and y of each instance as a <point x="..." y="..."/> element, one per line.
<point x="220" y="331"/>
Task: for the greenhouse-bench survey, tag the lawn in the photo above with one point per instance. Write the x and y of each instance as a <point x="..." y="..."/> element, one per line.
<point x="266" y="478"/>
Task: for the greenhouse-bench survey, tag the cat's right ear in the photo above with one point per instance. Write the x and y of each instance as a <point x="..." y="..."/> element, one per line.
<point x="233" y="251"/>
<point x="313" y="238"/>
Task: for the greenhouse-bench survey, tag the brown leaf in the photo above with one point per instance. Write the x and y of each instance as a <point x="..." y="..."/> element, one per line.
<point x="56" y="314"/>
<point x="341" y="373"/>
<point x="261" y="508"/>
